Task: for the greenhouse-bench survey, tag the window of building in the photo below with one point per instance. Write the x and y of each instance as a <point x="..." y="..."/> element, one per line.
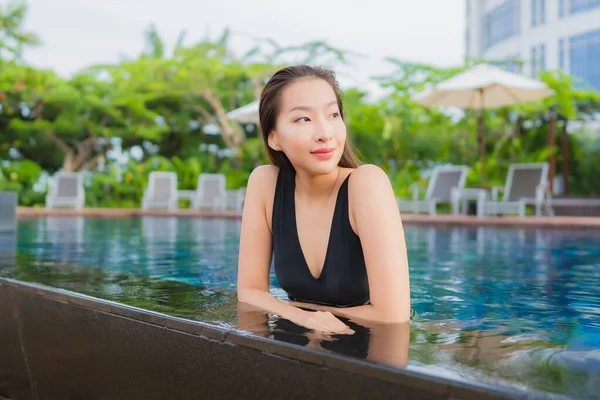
<point x="502" y="23"/>
<point x="584" y="58"/>
<point x="513" y="67"/>
<point x="467" y="43"/>
<point x="561" y="8"/>
<point x="542" y="62"/>
<point x="579" y="6"/>
<point x="538" y="12"/>
<point x="561" y="54"/>
<point x="510" y="64"/>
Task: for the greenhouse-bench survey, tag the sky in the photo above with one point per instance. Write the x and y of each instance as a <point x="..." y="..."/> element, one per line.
<point x="79" y="33"/>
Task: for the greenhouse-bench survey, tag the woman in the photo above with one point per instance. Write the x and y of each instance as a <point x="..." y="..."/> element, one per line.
<point x="332" y="226"/>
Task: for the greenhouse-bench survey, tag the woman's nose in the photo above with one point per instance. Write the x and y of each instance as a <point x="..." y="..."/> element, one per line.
<point x="324" y="132"/>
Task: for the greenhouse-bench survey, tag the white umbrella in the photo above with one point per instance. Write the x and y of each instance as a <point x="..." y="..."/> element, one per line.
<point x="247" y="114"/>
<point x="483" y="87"/>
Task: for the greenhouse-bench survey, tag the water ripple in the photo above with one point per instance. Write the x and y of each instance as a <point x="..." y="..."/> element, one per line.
<point x="505" y="304"/>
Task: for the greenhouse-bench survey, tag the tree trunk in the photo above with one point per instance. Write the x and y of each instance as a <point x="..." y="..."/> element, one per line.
<point x="233" y="136"/>
<point x="92" y="163"/>
<point x="84" y="150"/>
<point x="76" y="161"/>
<point x="68" y="163"/>
<point x="68" y="152"/>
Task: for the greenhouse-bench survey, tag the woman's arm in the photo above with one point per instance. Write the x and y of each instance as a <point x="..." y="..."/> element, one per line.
<point x="377" y="221"/>
<point x="256" y="247"/>
<point x="255" y="258"/>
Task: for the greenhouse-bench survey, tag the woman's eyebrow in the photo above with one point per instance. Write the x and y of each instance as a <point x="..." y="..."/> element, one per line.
<point x="306" y="108"/>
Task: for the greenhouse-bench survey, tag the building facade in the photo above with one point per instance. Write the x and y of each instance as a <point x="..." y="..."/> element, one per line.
<point x="541" y="34"/>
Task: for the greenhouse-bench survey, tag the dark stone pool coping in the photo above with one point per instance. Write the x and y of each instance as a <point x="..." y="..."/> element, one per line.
<point x="313" y="374"/>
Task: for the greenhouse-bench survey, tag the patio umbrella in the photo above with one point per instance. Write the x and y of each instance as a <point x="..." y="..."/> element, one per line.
<point x="484" y="87"/>
<point x="247" y="114"/>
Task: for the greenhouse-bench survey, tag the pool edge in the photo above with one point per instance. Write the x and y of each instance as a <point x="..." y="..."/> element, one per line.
<point x="407" y="219"/>
<point x="406" y="382"/>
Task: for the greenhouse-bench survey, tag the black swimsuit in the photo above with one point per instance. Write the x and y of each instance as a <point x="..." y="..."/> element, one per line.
<point x="343" y="280"/>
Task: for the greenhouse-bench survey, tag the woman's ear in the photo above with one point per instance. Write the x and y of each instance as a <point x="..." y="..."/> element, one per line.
<point x="273" y="142"/>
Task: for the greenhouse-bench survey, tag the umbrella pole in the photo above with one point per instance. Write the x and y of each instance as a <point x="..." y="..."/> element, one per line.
<point x="564" y="142"/>
<point x="552" y="144"/>
<point x="482" y="137"/>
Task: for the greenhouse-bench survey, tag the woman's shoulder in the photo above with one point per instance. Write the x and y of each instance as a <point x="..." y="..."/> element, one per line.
<point x="369" y="175"/>
<point x="371" y="196"/>
<point x="369" y="183"/>
<point x="262" y="181"/>
<point x="260" y="190"/>
<point x="263" y="175"/>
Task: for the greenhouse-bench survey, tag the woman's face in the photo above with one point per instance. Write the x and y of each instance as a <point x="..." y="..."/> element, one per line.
<point x="309" y="128"/>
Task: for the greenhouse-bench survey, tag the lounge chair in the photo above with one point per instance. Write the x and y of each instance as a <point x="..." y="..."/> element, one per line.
<point x="439" y="190"/>
<point x="8" y="211"/>
<point x="66" y="190"/>
<point x="161" y="191"/>
<point x="236" y="198"/>
<point x="525" y="184"/>
<point x="211" y="192"/>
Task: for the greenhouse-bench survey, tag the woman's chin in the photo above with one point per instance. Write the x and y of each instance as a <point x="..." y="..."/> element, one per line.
<point x="323" y="167"/>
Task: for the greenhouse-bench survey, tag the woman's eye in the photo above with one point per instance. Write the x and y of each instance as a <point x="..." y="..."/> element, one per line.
<point x="301" y="119"/>
<point x="335" y="115"/>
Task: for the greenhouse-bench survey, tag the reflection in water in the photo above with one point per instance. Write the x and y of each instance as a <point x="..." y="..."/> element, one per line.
<point x="386" y="344"/>
<point x="8" y="249"/>
<point x="159" y="235"/>
<point x="514" y="306"/>
<point x="63" y="236"/>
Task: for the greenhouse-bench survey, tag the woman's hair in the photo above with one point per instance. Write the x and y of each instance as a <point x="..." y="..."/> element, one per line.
<point x="270" y="106"/>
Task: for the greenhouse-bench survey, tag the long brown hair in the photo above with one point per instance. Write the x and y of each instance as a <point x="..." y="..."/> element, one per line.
<point x="269" y="108"/>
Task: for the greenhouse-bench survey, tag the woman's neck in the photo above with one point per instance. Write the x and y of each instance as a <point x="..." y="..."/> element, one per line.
<point x="315" y="188"/>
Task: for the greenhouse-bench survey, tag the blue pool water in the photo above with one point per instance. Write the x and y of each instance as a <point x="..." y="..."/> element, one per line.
<point x="508" y="306"/>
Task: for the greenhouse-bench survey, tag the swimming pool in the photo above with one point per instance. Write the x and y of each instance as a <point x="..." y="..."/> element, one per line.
<point x="505" y="306"/>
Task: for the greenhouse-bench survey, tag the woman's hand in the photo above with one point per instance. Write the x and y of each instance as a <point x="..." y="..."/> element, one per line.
<point x="320" y="321"/>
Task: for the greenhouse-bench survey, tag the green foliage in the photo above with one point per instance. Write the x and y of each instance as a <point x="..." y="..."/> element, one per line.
<point x="12" y="36"/>
<point x="160" y="107"/>
<point x="22" y="176"/>
<point x="586" y="152"/>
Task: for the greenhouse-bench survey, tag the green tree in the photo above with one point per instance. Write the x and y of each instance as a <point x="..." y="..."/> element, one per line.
<point x="80" y="116"/>
<point x="13" y="38"/>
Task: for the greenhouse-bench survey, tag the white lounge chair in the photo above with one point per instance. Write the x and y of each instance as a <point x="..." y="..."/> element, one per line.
<point x="211" y="192"/>
<point x="236" y="198"/>
<point x="439" y="190"/>
<point x="66" y="190"/>
<point x="8" y="211"/>
<point x="161" y="191"/>
<point x="525" y="183"/>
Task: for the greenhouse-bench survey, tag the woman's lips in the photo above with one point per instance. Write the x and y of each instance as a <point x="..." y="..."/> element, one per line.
<point x="323" y="153"/>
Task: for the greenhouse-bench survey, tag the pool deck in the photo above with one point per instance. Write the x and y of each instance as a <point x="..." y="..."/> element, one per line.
<point x="409" y="219"/>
